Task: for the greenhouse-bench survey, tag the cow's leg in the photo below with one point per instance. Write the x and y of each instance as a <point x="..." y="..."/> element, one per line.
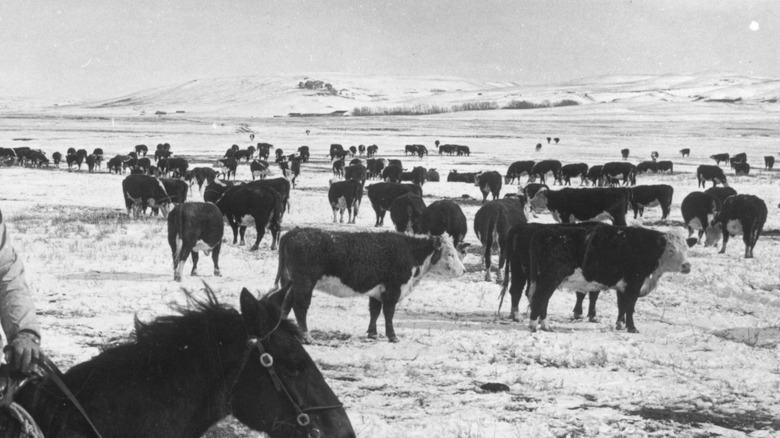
<point x="592" y="298"/>
<point x="377" y="210"/>
<point x="388" y="309"/>
<point x="621" y="303"/>
<point x="300" y="299"/>
<point x="215" y="258"/>
<point x="260" y="232"/>
<point x="725" y="241"/>
<point x="183" y="254"/>
<point x="341" y="215"/>
<point x="195" y="258"/>
<point x="519" y="281"/>
<point x="374" y="309"/>
<point x="234" y="227"/>
<point x="241" y="233"/>
<point x="578" y="305"/>
<point x="665" y="209"/>
<point x="334" y="214"/>
<point x="540" y="293"/>
<point x="382" y="212"/>
<point x="629" y="301"/>
<point x="487" y="262"/>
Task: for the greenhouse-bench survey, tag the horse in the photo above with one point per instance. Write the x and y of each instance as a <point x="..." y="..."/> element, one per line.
<point x="183" y="373"/>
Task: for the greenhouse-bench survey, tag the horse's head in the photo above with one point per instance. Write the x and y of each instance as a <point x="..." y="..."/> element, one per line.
<point x="280" y="390"/>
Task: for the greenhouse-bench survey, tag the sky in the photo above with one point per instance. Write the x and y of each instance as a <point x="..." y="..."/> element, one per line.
<point x="92" y="49"/>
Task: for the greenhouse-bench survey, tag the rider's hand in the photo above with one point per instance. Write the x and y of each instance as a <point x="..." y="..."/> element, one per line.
<point x="21" y="352"/>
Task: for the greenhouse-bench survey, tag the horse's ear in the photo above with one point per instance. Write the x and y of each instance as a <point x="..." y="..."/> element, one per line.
<point x="249" y="307"/>
<point x="277" y="297"/>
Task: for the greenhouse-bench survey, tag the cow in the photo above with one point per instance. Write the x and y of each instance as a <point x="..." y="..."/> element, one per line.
<point x="538" y="147"/>
<point x="244" y="154"/>
<point x="356" y="172"/>
<point x="361" y="149"/>
<point x="741" y="168"/>
<point x="227" y="166"/>
<point x="462" y="150"/>
<point x="624" y="153"/>
<point x="738" y="158"/>
<point x="91" y="161"/>
<point x="375" y="167"/>
<point x="194" y="227"/>
<point x="769" y="162"/>
<point x="628" y="259"/>
<point x="245" y="205"/>
<point x="422" y="150"/>
<point x="489" y="183"/>
<point x="383" y="266"/>
<point x="295" y="169"/>
<point x="647" y="166"/>
<point x="160" y="154"/>
<point x="382" y="196"/>
<point x="345" y="195"/>
<point x="666" y="166"/>
<point x="741" y="214"/>
<point x="264" y="151"/>
<point x="215" y="189"/>
<point x="410" y="149"/>
<point x="517" y="169"/>
<point x="304" y="153"/>
<point x="338" y="168"/>
<point x="571" y="205"/>
<point x="57" y="157"/>
<point x="178" y="167"/>
<point x="201" y="174"/>
<point x="570" y="171"/>
<point x="721" y="192"/>
<point x="140" y="191"/>
<point x="282" y="186"/>
<point x="470" y="177"/>
<point x="444" y="216"/>
<point x="594" y="174"/>
<point x="530" y="190"/>
<point x="720" y="158"/>
<point x="448" y="149"/>
<point x="163" y="167"/>
<point x="392" y="174"/>
<point x="652" y="196"/>
<point x="492" y="224"/>
<point x="115" y="164"/>
<point x="613" y="170"/>
<point x="372" y="150"/>
<point x="406" y="211"/>
<point x="177" y="192"/>
<point x="715" y="174"/>
<point x="419" y="175"/>
<point x="685" y="152"/>
<point x="432" y="175"/>
<point x="698" y="210"/>
<point x="352" y="151"/>
<point x="336" y="151"/>
<point x="548" y="140"/>
<point x="259" y="169"/>
<point x="654" y="155"/>
<point x="543" y="167"/>
<point x="141" y="149"/>
<point x="99" y="151"/>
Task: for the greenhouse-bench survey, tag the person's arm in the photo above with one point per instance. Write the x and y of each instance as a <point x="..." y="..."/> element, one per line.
<point x="17" y="310"/>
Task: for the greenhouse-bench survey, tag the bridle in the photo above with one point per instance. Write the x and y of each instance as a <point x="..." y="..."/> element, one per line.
<point x="267" y="361"/>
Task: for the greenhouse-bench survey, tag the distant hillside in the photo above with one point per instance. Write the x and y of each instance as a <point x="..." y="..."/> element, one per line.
<point x="335" y="93"/>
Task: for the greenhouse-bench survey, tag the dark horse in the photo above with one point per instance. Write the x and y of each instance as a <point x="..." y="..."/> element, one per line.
<point x="184" y="373"/>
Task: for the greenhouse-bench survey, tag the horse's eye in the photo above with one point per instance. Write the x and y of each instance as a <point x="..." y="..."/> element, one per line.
<point x="293" y="372"/>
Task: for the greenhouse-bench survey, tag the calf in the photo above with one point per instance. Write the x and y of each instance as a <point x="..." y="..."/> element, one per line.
<point x="685" y="152"/>
<point x="194" y="227"/>
<point x="612" y="171"/>
<point x="571" y="205"/>
<point x="492" y="224"/>
<point x="383" y="266"/>
<point x="489" y="182"/>
<point x="382" y="196"/>
<point x="706" y="173"/>
<point x="345" y="195"/>
<point x="652" y="196"/>
<point x="769" y="162"/>
<point x="444" y="217"/>
<point x="406" y="211"/>
<point x="432" y="175"/>
<point x="698" y="210"/>
<point x="741" y="214"/>
<point x="628" y="259"/>
<point x="543" y="167"/>
<point x="179" y="166"/>
<point x="720" y="157"/>
<point x="570" y="171"/>
<point x="517" y="169"/>
<point x="246" y="205"/>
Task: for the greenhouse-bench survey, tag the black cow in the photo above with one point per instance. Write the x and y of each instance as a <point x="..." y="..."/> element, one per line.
<point x="448" y="149"/>
<point x="432" y="175"/>
<point x="336" y="151"/>
<point x="161" y="153"/>
<point x="295" y="169"/>
<point x="738" y="158"/>
<point x="600" y="258"/>
<point x="685" y="152"/>
<point x="372" y="150"/>
<point x="91" y="161"/>
<point x="571" y="205"/>
<point x="375" y="167"/>
<point x="338" y="168"/>
<point x="115" y="164"/>
<point x="419" y="175"/>
<point x="666" y="166"/>
<point x="177" y="192"/>
<point x="141" y="149"/>
<point x="163" y="166"/>
<point x="624" y="153"/>
<point x="356" y="172"/>
<point x="383" y="266"/>
<point x="361" y="149"/>
<point x="345" y="195"/>
<point x="721" y="192"/>
<point x="406" y="211"/>
<point x="741" y="214"/>
<point x="530" y="190"/>
<point x="489" y="183"/>
<point x="569" y="171"/>
<point x="244" y="154"/>
<point x="74" y="159"/>
<point x="259" y="169"/>
<point x="652" y="196"/>
<point x="546" y="166"/>
<point x="698" y="210"/>
<point x="215" y="189"/>
<point x="264" y="151"/>
<point x="538" y="147"/>
<point x="444" y="217"/>
<point x="201" y="174"/>
<point x="304" y="153"/>
<point x="720" y="157"/>
<point x="194" y="227"/>
<point x="647" y="166"/>
<point x="462" y="150"/>
<point x="140" y="191"/>
<point x="769" y="162"/>
<point x="392" y="174"/>
<point x="469" y="177"/>
<point x="492" y="224"/>
<point x="654" y="155"/>
<point x="99" y="151"/>
<point x="178" y="167"/>
<point x="741" y="168"/>
<point x="612" y="171"/>
<point x="282" y="186"/>
<point x="594" y="174"/>
<point x="422" y="151"/>
<point x="517" y="169"/>
<point x="410" y="149"/>
<point x="70" y="151"/>
<point x="57" y="157"/>
<point x="382" y="196"/>
<point x="227" y="166"/>
<point x="245" y="205"/>
<point x="715" y="174"/>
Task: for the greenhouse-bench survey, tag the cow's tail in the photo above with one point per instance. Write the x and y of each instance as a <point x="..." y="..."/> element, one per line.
<point x="280" y="269"/>
<point x="276" y="220"/>
<point x="179" y="240"/>
<point x="505" y="282"/>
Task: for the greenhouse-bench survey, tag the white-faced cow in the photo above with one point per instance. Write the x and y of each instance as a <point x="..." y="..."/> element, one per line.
<point x="345" y="195"/>
<point x="141" y="191"/>
<point x="246" y="205"/>
<point x="741" y="214"/>
<point x="259" y="169"/>
<point x="382" y="196"/>
<point x="406" y="212"/>
<point x="194" y="227"/>
<point x="706" y="173"/>
<point x="444" y="216"/>
<point x="227" y="166"/>
<point x="698" y="211"/>
<point x="492" y="224"/>
<point x="652" y="196"/>
<point x="572" y="205"/>
<point x="383" y="266"/>
<point x="489" y="183"/>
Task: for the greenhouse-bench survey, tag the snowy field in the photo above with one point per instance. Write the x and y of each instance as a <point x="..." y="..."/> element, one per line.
<point x="706" y="362"/>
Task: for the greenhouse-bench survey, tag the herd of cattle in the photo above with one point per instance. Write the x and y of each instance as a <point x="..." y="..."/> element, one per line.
<point x="581" y="252"/>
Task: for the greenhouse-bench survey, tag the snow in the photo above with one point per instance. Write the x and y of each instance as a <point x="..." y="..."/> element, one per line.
<point x="705" y="363"/>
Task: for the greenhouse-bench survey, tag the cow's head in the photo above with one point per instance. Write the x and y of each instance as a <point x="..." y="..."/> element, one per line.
<point x="713" y="233"/>
<point x="539" y="201"/>
<point x="445" y="260"/>
<point x="675" y="255"/>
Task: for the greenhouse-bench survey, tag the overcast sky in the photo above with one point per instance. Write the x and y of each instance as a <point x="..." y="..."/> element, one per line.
<point x="105" y="48"/>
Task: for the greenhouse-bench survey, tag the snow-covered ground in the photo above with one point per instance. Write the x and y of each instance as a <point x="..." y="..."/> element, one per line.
<point x="705" y="363"/>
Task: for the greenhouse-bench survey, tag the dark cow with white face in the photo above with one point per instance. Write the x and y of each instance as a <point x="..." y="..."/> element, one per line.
<point x="492" y="224"/>
<point x="571" y="205"/>
<point x="259" y="169"/>
<point x="715" y="174"/>
<point x="489" y="183"/>
<point x="226" y="167"/>
<point x="630" y="260"/>
<point x="345" y="195"/>
<point x="194" y="227"/>
<point x="652" y="196"/>
<point x="245" y="205"/>
<point x="698" y="211"/>
<point x="444" y="217"/>
<point x="382" y="196"/>
<point x="406" y="212"/>
<point x="570" y="171"/>
<point x="383" y="266"/>
<point x="141" y="191"/>
<point x="741" y="214"/>
<point x="518" y="169"/>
